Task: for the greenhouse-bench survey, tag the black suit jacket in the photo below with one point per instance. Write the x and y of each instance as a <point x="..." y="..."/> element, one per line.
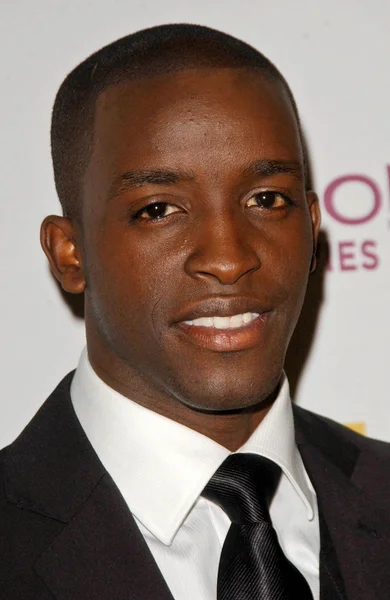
<point x="66" y="532"/>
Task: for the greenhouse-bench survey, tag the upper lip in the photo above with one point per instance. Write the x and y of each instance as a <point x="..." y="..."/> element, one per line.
<point x="220" y="306"/>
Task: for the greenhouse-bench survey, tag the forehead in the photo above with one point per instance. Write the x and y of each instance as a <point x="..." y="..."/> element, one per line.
<point x="186" y="113"/>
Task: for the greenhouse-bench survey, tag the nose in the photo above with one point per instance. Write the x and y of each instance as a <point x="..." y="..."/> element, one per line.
<point x="223" y="251"/>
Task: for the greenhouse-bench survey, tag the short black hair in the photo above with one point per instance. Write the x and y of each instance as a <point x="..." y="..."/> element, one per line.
<point x="146" y="53"/>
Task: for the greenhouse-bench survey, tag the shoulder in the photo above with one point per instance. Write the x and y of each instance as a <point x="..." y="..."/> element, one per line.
<point x="21" y="461"/>
<point x="27" y="469"/>
<point x="24" y="535"/>
<point x="318" y="427"/>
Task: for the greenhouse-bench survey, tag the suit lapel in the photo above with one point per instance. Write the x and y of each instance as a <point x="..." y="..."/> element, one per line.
<point x="346" y="479"/>
<point x="331" y="581"/>
<point x="100" y="553"/>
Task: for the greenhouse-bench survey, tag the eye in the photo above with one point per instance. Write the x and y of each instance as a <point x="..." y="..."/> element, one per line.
<point x="268" y="200"/>
<point x="156" y="211"/>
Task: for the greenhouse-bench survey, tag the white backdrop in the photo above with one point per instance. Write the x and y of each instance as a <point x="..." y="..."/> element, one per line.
<point x="336" y="56"/>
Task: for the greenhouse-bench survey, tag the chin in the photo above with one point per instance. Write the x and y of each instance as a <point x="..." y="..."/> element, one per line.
<point x="231" y="394"/>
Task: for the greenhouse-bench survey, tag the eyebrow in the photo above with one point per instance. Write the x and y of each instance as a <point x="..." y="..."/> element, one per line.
<point x="267" y="168"/>
<point x="139" y="178"/>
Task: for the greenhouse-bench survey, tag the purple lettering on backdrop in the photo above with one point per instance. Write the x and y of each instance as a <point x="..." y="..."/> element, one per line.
<point x="388" y="177"/>
<point x="336" y="183"/>
<point x="345" y="256"/>
<point x="368" y="250"/>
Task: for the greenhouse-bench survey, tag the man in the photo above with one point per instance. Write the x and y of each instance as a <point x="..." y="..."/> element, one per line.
<point x="163" y="467"/>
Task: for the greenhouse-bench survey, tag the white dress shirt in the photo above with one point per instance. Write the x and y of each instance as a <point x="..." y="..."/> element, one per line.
<point x="161" y="468"/>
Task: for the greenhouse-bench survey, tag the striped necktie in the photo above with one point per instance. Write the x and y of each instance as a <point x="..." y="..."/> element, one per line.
<point x="252" y="564"/>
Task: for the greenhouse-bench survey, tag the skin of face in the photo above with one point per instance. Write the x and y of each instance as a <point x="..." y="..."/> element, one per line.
<point x="194" y="204"/>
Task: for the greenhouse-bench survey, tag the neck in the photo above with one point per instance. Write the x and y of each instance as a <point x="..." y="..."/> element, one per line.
<point x="230" y="429"/>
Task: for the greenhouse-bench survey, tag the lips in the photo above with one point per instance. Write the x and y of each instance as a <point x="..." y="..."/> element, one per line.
<point x="221" y="306"/>
<point x="224" y="324"/>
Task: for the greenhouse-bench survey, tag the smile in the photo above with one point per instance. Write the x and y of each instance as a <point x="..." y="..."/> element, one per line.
<point x="233" y="333"/>
<point x="229" y="322"/>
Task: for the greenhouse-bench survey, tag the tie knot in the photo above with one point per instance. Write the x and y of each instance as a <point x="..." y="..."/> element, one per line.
<point x="243" y="486"/>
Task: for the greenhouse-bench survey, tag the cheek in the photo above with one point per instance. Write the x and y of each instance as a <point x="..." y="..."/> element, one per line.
<point x="289" y="263"/>
<point x="126" y="280"/>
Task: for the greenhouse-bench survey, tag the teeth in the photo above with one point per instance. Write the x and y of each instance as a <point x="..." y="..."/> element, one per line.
<point x="221" y="322"/>
<point x="238" y="320"/>
<point x="233" y="322"/>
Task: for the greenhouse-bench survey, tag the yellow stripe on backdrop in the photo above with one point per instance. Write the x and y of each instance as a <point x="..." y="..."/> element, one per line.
<point x="358" y="426"/>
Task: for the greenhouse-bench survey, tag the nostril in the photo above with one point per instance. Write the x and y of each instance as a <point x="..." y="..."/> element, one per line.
<point x="224" y="251"/>
<point x="227" y="273"/>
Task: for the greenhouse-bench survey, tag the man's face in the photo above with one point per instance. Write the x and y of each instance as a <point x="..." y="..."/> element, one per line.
<point x="197" y="237"/>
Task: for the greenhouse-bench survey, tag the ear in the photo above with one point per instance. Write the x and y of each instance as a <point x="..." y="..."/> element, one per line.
<point x="58" y="240"/>
<point x="315" y="215"/>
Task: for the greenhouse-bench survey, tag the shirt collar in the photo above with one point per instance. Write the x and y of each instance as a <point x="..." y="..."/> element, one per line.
<point x="160" y="466"/>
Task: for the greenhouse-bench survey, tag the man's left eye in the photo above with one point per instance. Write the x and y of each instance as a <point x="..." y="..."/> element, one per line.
<point x="156" y="211"/>
<point x="267" y="200"/>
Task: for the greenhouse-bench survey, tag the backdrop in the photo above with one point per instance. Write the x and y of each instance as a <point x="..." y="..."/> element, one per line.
<point x="335" y="54"/>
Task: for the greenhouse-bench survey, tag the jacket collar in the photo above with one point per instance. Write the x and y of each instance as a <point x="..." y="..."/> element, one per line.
<point x="51" y="452"/>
